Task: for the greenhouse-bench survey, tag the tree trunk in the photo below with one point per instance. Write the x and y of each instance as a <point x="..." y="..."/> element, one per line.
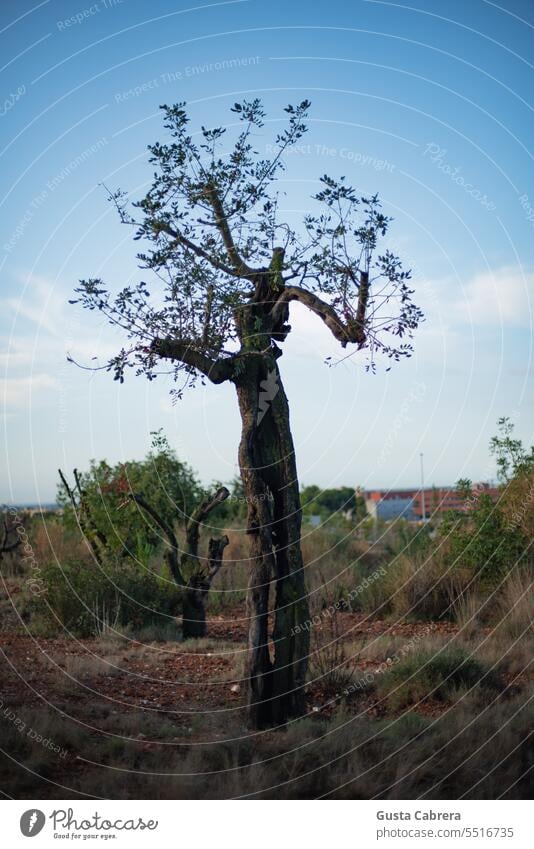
<point x="194" y="610"/>
<point x="268" y="471"/>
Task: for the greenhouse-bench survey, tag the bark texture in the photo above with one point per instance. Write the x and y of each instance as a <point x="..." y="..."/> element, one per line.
<point x="277" y="673"/>
<point x="267" y="462"/>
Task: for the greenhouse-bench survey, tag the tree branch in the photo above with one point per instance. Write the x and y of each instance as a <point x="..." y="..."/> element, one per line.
<point x="196" y="249"/>
<point x="172" y="551"/>
<point x="221" y="221"/>
<point x="217" y="370"/>
<point x="85" y="511"/>
<point x="363" y="298"/>
<point x="215" y="556"/>
<point x="216" y="546"/>
<point x="192" y="530"/>
<point x="95" y="538"/>
<point x="351" y="331"/>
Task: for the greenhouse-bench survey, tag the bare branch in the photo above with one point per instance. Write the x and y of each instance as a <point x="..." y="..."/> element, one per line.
<point x="68" y="490"/>
<point x="221" y="221"/>
<point x="216" y="370"/>
<point x="363" y="298"/>
<point x="199" y="515"/>
<point x="196" y="249"/>
<point x="351" y="331"/>
<point x="93" y="536"/>
<point x="215" y="556"/>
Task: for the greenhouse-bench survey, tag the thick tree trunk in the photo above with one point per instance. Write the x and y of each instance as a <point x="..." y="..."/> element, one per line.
<point x="268" y="471"/>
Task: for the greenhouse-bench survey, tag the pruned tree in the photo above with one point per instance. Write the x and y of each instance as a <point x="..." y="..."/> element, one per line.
<point x="192" y="573"/>
<point x="224" y="271"/>
<point x="170" y="485"/>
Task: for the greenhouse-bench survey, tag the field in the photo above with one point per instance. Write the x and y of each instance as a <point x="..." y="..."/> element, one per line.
<point x="420" y="685"/>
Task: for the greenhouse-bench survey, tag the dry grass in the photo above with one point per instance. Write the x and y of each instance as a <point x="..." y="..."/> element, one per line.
<point x="333" y="661"/>
<point x="417" y="586"/>
<point x="478" y="749"/>
<point x="50" y="542"/>
<point x="514" y="608"/>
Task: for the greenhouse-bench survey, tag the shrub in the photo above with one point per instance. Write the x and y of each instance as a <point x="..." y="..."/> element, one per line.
<point x="167" y="483"/>
<point x="418" y="586"/>
<point x="518" y="503"/>
<point x="83" y="598"/>
<point x="426" y="675"/>
<point x="482" y="539"/>
<point x="514" y="615"/>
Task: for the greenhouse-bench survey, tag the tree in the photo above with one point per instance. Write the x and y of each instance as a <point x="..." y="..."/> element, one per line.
<point x="226" y="270"/>
<point x="492" y="535"/>
<point x="511" y="456"/>
<point x="515" y="471"/>
<point x="342" y="500"/>
<point x="192" y="573"/>
<point x="480" y="537"/>
<point x="168" y="484"/>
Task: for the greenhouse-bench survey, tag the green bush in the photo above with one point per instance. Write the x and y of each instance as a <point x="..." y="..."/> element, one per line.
<point x="437" y="676"/>
<point x="86" y="599"/>
<point x="169" y="485"/>
<point x="482" y="539"/>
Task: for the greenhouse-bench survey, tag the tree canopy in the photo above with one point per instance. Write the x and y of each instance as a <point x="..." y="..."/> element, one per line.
<point x="217" y="247"/>
<point x="169" y="484"/>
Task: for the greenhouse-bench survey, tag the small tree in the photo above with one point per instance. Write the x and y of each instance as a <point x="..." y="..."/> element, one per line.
<point x="480" y="537"/>
<point x="511" y="456"/>
<point x="192" y="573"/>
<point x="225" y="269"/>
<point x="168" y="484"/>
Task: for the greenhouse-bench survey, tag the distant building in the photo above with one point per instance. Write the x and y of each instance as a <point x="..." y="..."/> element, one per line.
<point x="408" y="503"/>
<point x="314" y="521"/>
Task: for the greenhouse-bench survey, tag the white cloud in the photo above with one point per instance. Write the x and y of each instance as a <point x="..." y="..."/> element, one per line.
<point x="41" y="302"/>
<point x="19" y="391"/>
<point x="46" y="329"/>
<point x="504" y="296"/>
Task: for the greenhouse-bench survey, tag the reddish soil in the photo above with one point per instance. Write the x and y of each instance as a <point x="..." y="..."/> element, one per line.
<point x="165" y="676"/>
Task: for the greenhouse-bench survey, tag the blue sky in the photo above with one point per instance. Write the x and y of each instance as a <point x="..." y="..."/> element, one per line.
<point x="430" y="105"/>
